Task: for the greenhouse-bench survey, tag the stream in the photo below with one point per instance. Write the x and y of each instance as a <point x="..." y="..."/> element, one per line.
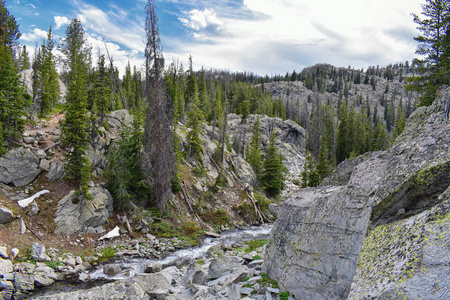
<point x="133" y="266"/>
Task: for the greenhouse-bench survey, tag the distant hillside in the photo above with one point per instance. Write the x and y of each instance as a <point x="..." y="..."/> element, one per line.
<point x="328" y="83"/>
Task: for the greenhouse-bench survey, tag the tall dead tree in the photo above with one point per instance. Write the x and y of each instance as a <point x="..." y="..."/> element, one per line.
<point x="158" y="140"/>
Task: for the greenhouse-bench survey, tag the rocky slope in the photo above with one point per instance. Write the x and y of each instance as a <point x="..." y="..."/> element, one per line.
<point x="65" y="222"/>
<point x="387" y="222"/>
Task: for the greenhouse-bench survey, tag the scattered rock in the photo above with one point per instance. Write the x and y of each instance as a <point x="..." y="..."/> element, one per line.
<point x="5" y="266"/>
<point x="56" y="171"/>
<point x="14" y="252"/>
<point x="44" y="165"/>
<point x="38" y="252"/>
<point x="221" y="265"/>
<point x="6" y="215"/>
<point x="212" y="234"/>
<point x="3" y="252"/>
<point x="153" y="268"/>
<point x="111" y="269"/>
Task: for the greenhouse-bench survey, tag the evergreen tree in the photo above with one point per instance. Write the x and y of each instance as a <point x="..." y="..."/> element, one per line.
<point x="13" y="99"/>
<point x="254" y="150"/>
<point x="24" y="59"/>
<point x="125" y="176"/>
<point x="76" y="124"/>
<point x="45" y="77"/>
<point x="433" y="29"/>
<point x="323" y="165"/>
<point x="310" y="175"/>
<point x="272" y="179"/>
<point x="400" y="122"/>
<point x="195" y="118"/>
<point x="380" y="137"/>
<point x="158" y="135"/>
<point x="101" y="90"/>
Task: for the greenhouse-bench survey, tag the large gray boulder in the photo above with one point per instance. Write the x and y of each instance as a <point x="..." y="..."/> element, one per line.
<point x="75" y="213"/>
<point x="19" y="166"/>
<point x="316" y="241"/>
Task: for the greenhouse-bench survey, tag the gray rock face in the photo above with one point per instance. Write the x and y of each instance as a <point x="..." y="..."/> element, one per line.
<point x="56" y="171"/>
<point x="245" y="170"/>
<point x="76" y="213"/>
<point x="222" y="265"/>
<point x="6" y="215"/>
<point x="409" y="257"/>
<point x="19" y="166"/>
<point x="289" y="137"/>
<point x="316" y="240"/>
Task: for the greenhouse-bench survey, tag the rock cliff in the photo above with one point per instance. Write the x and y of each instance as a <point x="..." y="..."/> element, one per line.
<point x="398" y="197"/>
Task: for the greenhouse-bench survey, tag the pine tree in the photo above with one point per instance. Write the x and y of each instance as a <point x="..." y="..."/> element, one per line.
<point x="102" y="90"/>
<point x="158" y="134"/>
<point x="323" y="166"/>
<point x="400" y="122"/>
<point x="433" y="29"/>
<point x="24" y="59"/>
<point x="380" y="137"/>
<point x="76" y="124"/>
<point x="125" y="176"/>
<point x="45" y="77"/>
<point x="254" y="150"/>
<point x="13" y="99"/>
<point x="310" y="175"/>
<point x="272" y="179"/>
<point x="194" y="122"/>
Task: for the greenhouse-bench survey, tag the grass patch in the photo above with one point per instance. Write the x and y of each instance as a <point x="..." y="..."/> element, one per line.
<point x="164" y="229"/>
<point x="254" y="244"/>
<point x="106" y="254"/>
<point x="53" y="264"/>
<point x="284" y="296"/>
<point x="266" y="280"/>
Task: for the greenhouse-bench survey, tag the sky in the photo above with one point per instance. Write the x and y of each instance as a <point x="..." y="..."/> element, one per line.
<point x="260" y="36"/>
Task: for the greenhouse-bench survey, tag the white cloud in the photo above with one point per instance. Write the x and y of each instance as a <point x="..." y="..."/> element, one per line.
<point x="61" y="21"/>
<point x="283" y="35"/>
<point x="120" y="56"/>
<point x="118" y="29"/>
<point x="36" y="35"/>
<point x="203" y="22"/>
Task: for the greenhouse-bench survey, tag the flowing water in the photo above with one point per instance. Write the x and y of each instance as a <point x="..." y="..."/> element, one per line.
<point x="133" y="266"/>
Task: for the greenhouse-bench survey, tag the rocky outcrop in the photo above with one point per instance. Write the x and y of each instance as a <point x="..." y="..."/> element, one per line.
<point x="289" y="137"/>
<point x="316" y="241"/>
<point x="408" y="258"/>
<point x="19" y="166"/>
<point x="76" y="214"/>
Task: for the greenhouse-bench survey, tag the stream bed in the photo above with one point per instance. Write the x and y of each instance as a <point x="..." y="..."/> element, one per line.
<point x="178" y="275"/>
